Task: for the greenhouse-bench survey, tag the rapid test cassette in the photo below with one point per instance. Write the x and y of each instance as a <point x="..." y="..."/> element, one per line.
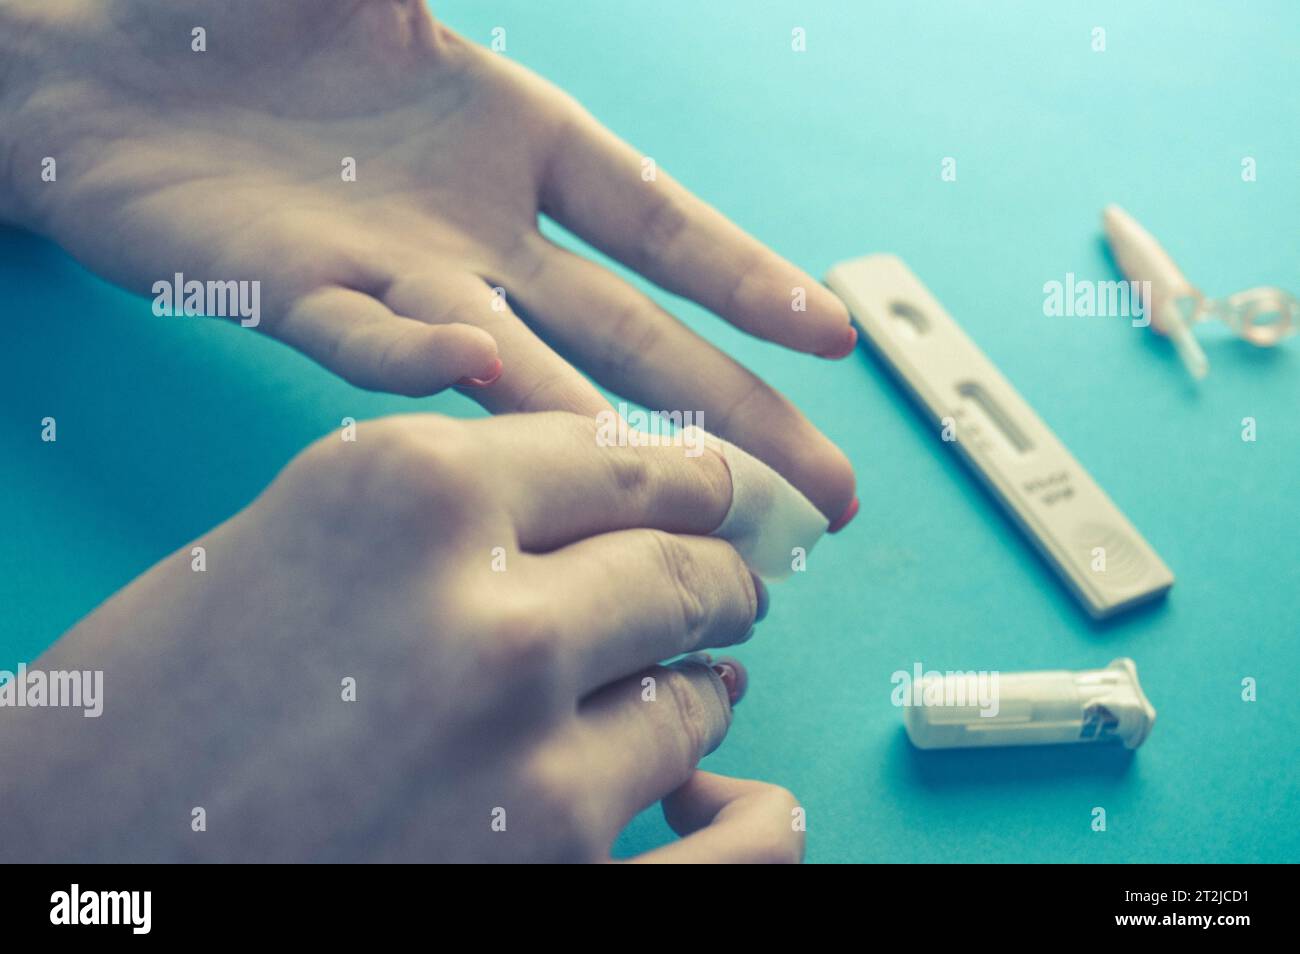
<point x="1100" y="555"/>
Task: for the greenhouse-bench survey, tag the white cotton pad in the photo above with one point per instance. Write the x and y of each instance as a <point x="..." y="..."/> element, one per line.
<point x="768" y="518"/>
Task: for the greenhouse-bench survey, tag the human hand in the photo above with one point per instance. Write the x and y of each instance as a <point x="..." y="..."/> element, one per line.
<point x="497" y="591"/>
<point x="226" y="165"/>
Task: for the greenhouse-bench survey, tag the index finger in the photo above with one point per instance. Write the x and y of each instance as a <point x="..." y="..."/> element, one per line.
<point x="599" y="187"/>
<point x="579" y="476"/>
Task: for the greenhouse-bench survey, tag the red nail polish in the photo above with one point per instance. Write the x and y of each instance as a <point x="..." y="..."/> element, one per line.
<point x="844" y="350"/>
<point x="849" y="513"/>
<point x="493" y="373"/>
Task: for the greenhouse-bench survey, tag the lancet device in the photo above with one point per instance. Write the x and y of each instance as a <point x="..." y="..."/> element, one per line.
<point x="1101" y="557"/>
<point x="1261" y="316"/>
<point x="968" y="710"/>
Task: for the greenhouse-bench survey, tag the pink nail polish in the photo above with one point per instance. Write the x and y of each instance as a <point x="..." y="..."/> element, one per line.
<point x="844" y="350"/>
<point x="849" y="513"/>
<point x="733" y="676"/>
<point x="493" y="373"/>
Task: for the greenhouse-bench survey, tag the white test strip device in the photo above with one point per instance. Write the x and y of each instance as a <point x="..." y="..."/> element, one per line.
<point x="956" y="711"/>
<point x="1100" y="555"/>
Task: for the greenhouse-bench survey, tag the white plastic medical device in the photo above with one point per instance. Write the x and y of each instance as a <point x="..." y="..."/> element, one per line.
<point x="1032" y="708"/>
<point x="1261" y="316"/>
<point x="1102" y="558"/>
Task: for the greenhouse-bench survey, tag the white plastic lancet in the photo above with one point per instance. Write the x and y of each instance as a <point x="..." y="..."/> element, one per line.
<point x="1262" y="316"/>
<point x="1031" y="708"/>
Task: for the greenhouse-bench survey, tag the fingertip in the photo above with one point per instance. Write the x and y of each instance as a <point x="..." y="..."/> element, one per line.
<point x="785" y="305"/>
<point x="802" y="454"/>
<point x="845" y="518"/>
<point x="471" y="347"/>
<point x="836" y="484"/>
<point x="466" y="354"/>
<point x="762" y="600"/>
<point x="481" y="381"/>
<point x="836" y="335"/>
<point x="848" y="342"/>
<point x="429" y="358"/>
<point x="734" y="677"/>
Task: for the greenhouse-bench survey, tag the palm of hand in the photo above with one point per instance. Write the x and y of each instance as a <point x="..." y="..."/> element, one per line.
<point x="342" y="169"/>
<point x="424" y="267"/>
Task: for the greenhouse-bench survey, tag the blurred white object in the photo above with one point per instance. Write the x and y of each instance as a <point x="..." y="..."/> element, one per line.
<point x="1262" y="316"/>
<point x="1032" y="708"/>
<point x="1087" y="539"/>
<point x="768" y="519"/>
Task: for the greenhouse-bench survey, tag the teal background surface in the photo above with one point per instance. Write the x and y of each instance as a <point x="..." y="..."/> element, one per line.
<point x="166" y="427"/>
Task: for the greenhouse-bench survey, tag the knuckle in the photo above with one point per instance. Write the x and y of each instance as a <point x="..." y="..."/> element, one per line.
<point x="629" y="474"/>
<point x="395" y="465"/>
<point x="521" y="645"/>
<point x="527" y="257"/>
<point x="680" y="566"/>
<point x="690" y="715"/>
<point x="634" y="340"/>
<point x="716" y="476"/>
<point x="428" y="464"/>
<point x="409" y="294"/>
<point x="741" y="580"/>
<point x="294" y="242"/>
<point x="662" y="224"/>
<point x="748" y="287"/>
<point x="552" y="777"/>
<point x="755" y="398"/>
<point x="426" y="297"/>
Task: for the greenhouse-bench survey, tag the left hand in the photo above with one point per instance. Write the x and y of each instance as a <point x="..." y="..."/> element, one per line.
<point x="227" y="165"/>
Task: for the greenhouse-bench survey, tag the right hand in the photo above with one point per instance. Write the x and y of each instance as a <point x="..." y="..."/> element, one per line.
<point x="500" y="591"/>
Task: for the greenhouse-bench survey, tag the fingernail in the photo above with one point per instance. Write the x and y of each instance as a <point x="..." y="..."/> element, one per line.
<point x="733" y="676"/>
<point x="493" y="373"/>
<point x="761" y="597"/>
<point x="845" y="349"/>
<point x="850" y="512"/>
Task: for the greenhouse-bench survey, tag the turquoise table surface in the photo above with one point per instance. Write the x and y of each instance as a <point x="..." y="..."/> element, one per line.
<point x="167" y="426"/>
